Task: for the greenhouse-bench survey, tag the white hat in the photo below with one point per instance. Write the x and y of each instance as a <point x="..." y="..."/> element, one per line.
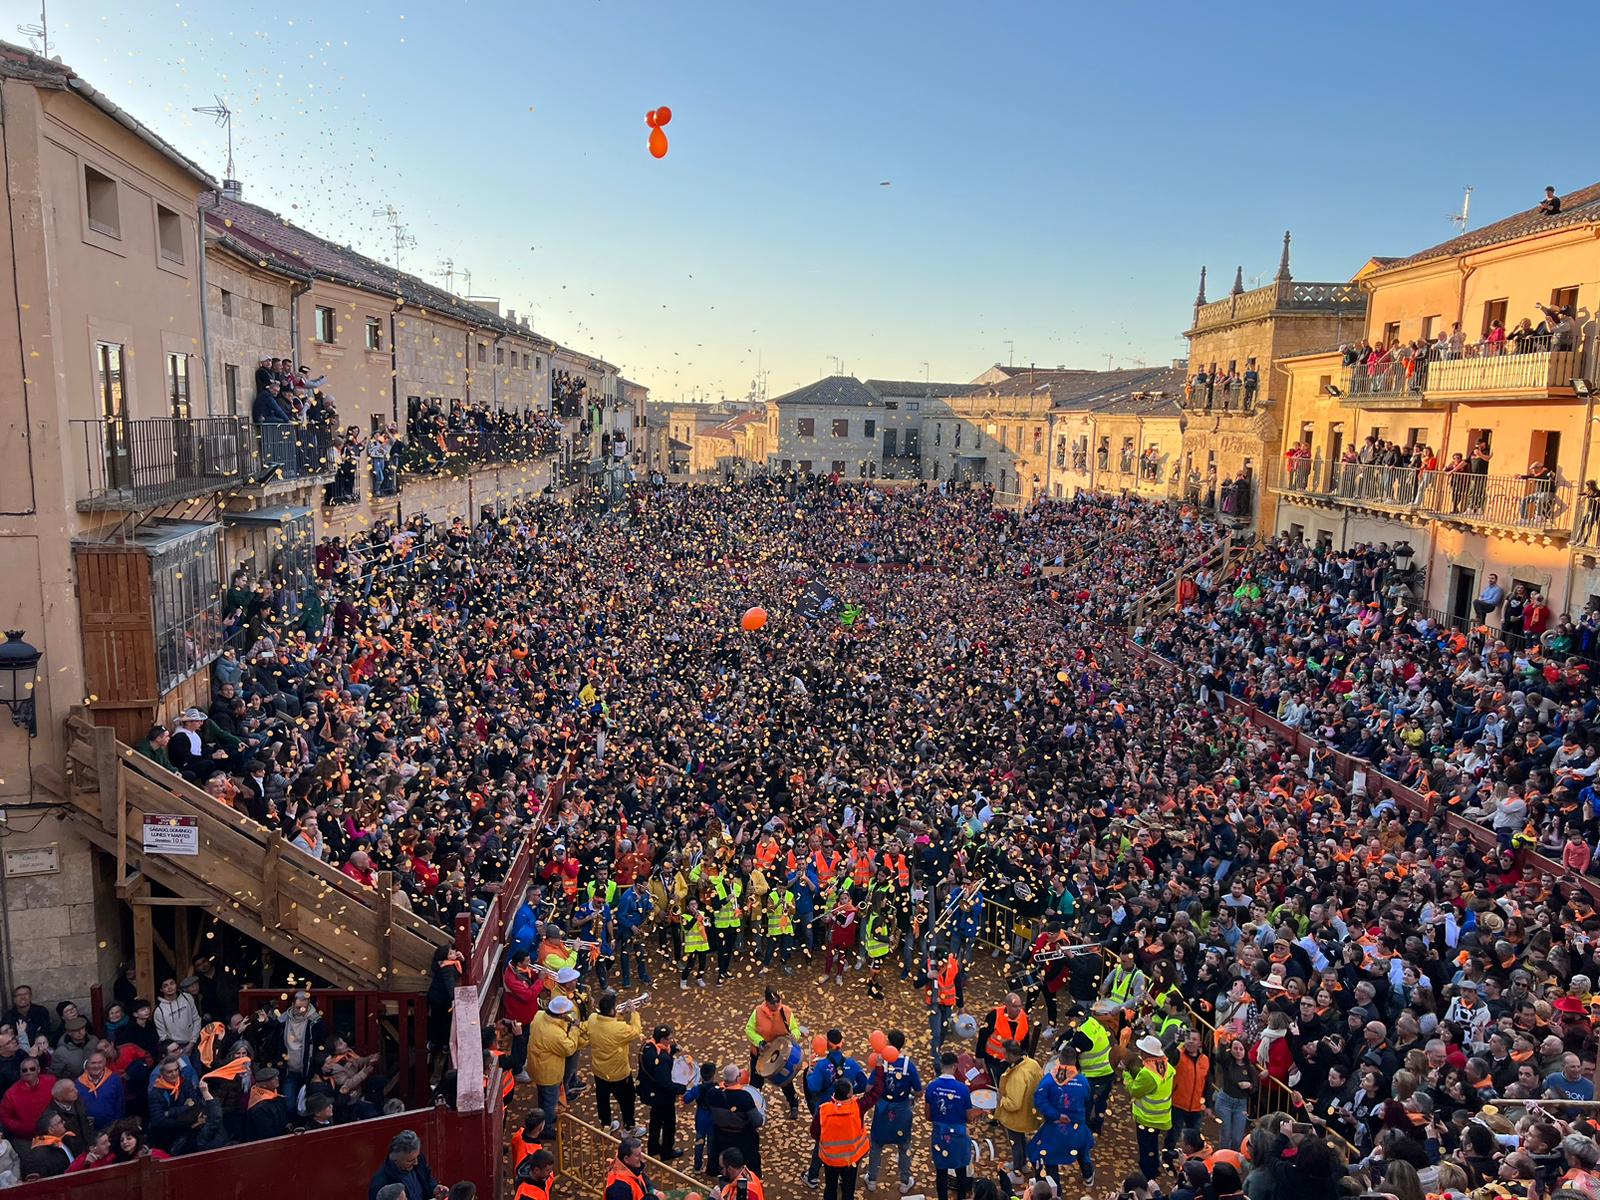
<point x="560" y="1006"/>
<point x="567" y="975"/>
<point x="1146" y="1045"/>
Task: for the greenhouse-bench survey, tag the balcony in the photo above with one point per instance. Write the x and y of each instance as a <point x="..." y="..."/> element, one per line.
<point x="1586" y="535"/>
<point x="1532" y="367"/>
<point x="138" y="464"/>
<point x="1502" y="502"/>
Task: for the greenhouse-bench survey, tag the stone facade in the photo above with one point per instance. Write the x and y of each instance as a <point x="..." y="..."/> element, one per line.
<point x="240" y="295"/>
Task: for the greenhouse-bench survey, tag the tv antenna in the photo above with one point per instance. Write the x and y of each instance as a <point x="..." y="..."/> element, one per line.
<point x="224" y="117"/>
<point x="403" y="240"/>
<point x="40" y="32"/>
<point x="1459" y="220"/>
<point x="447" y="268"/>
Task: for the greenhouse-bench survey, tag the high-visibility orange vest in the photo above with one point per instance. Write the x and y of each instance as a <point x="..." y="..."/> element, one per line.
<point x="529" y="1190"/>
<point x="861" y="867"/>
<point x="897" y="864"/>
<point x="1005" y="1030"/>
<point x="621" y="1171"/>
<point x="843" y="1141"/>
<point x="826" y="869"/>
<point x="947" y="983"/>
<point x="521" y="1147"/>
<point x="766" y="853"/>
<point x="757" y="1192"/>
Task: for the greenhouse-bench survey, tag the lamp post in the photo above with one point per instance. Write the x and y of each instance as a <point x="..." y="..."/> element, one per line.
<point x="18" y="669"/>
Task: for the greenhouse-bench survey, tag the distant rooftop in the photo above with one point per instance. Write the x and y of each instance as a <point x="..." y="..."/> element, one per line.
<point x="1581" y="207"/>
<point x="833" y="389"/>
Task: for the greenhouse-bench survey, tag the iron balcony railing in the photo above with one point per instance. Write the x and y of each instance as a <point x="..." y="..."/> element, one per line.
<point x="288" y="452"/>
<point x="134" y="464"/>
<point x="1587" y="531"/>
<point x="1541" y="503"/>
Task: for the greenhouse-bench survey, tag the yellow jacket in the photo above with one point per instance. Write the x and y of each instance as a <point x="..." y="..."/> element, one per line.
<point x="611" y="1039"/>
<point x="1017" y="1086"/>
<point x="550" y="1040"/>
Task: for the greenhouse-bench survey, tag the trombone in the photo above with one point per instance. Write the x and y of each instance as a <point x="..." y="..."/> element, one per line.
<point x="960" y="899"/>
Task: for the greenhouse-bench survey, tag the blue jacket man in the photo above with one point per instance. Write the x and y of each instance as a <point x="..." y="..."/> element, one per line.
<point x="949" y="1104"/>
<point x="1063" y="1098"/>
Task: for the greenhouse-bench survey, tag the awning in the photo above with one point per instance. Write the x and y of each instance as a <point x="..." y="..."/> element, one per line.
<point x="282" y="514"/>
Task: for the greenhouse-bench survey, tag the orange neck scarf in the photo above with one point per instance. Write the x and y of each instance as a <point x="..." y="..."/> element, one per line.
<point x="260" y="1093"/>
<point x="170" y="1087"/>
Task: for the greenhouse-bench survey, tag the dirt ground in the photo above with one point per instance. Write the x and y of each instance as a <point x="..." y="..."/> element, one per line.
<point x="709" y="1023"/>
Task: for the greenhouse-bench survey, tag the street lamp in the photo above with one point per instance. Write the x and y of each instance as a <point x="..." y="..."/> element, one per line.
<point x="18" y="669"/>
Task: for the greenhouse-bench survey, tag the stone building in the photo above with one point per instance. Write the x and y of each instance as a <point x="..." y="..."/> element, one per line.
<point x="1232" y="404"/>
<point x="826" y="427"/>
<point x="1525" y="404"/>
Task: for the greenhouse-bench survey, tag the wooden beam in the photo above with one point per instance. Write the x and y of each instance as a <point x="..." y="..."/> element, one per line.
<point x="271" y="896"/>
<point x="178" y="902"/>
<point x="131" y="887"/>
<point x="144" y="951"/>
<point x="386" y="926"/>
<point x="107" y="771"/>
<point x="182" y="941"/>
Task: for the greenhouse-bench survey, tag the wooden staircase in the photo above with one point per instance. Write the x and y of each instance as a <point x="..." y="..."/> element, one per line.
<point x="248" y="875"/>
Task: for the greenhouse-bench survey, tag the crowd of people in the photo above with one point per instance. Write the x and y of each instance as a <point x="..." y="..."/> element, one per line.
<point x="937" y="743"/>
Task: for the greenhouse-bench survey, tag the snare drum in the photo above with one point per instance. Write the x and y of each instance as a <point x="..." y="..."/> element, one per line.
<point x="685" y="1071"/>
<point x="786" y="1071"/>
<point x="761" y="1100"/>
<point x="985" y="1099"/>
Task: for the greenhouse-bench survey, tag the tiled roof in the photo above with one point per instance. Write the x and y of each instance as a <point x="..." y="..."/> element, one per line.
<point x="262" y="230"/>
<point x="916" y="388"/>
<point x="18" y="62"/>
<point x="834" y="389"/>
<point x="1581" y="207"/>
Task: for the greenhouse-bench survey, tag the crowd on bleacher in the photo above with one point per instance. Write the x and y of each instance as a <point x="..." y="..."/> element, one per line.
<point x="940" y="706"/>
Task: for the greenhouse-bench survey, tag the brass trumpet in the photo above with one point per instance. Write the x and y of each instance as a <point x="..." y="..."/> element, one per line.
<point x="637" y="1002"/>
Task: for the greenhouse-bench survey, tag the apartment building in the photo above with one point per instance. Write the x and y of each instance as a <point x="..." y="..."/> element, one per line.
<point x="1488" y="352"/>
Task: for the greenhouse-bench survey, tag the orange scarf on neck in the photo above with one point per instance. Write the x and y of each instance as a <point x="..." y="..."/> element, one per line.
<point x="94" y="1086"/>
<point x="259" y="1093"/>
<point x="172" y="1087"/>
<point x="45" y="1139"/>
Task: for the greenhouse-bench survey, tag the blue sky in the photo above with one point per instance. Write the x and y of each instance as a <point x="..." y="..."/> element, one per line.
<point x="1057" y="172"/>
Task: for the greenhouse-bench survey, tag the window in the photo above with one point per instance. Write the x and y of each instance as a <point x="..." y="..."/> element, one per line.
<point x="186" y="593"/>
<point x="269" y="316"/>
<point x="890" y="442"/>
<point x="913" y="405"/>
<point x="1415" y="434"/>
<point x="805" y="466"/>
<point x="108" y="380"/>
<point x="178" y="385"/>
<point x="1391" y="333"/>
<point x="1297" y="533"/>
<point x="500" y="356"/>
<point x="977" y="440"/>
<point x="1493" y="310"/>
<point x="483" y="352"/>
<point x="891" y="405"/>
<point x="805" y="427"/>
<point x="1430" y="328"/>
<point x="913" y="440"/>
<point x="538" y="362"/>
<point x="227" y="303"/>
<point x="1565" y="297"/>
<point x="101" y="192"/>
<point x="169" y="234"/>
<point x="838" y="466"/>
<point x="1544" y="446"/>
<point x="374" y="333"/>
<point x="325" y="325"/>
<point x="958" y="435"/>
<point x="1038" y="439"/>
<point x="230" y="387"/>
<point x="871" y="430"/>
<point x="841" y="427"/>
<point x="938" y="434"/>
<point x="788" y="464"/>
<point x="1324" y="539"/>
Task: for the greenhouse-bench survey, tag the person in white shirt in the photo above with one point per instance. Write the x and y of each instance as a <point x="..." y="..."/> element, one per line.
<point x="177" y="1019"/>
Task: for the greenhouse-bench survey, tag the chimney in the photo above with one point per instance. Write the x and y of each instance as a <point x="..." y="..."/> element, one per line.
<point x="511" y="315"/>
<point x="232" y="189"/>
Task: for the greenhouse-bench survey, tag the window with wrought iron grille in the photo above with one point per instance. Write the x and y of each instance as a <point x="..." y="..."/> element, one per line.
<point x="186" y="592"/>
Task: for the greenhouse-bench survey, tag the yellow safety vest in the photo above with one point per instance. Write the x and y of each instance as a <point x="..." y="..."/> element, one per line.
<point x="1152" y="1097"/>
<point x="1095" y="1062"/>
<point x="694" y="937"/>
<point x="727" y="914"/>
<point x="780" y="913"/>
<point x="1122" y="984"/>
<point x="877" y="937"/>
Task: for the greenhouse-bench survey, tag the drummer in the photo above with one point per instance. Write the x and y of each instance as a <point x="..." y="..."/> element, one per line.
<point x="1062" y="1100"/>
<point x="833" y="1065"/>
<point x="770" y="1020"/>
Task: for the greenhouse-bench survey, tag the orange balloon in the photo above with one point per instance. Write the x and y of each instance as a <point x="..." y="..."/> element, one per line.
<point x="650" y="118"/>
<point x="879" y="1040"/>
<point x="891" y="1054"/>
<point x="872" y="1061"/>
<point x="819" y="1045"/>
<point x="658" y="143"/>
<point x="663" y="115"/>
<point x="756" y="618"/>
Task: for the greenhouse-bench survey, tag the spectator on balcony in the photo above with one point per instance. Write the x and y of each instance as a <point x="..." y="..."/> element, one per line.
<point x="1525" y="338"/>
<point x="1540" y="494"/>
<point x="378" y="457"/>
<point x="1563" y="327"/>
<point x="1535" y="618"/>
<point x="268" y="408"/>
<point x="1588" y="512"/>
<point x="1551" y="204"/>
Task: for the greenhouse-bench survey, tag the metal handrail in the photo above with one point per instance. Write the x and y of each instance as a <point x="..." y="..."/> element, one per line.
<point x="155" y="460"/>
<point x="1543" y="503"/>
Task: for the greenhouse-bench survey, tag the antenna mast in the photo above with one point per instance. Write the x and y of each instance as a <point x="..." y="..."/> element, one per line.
<point x="403" y="240"/>
<point x="41" y="31"/>
<point x="224" y="117"/>
<point x="1459" y="220"/>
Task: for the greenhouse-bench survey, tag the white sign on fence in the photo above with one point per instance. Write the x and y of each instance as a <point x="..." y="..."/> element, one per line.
<point x="171" y="835"/>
